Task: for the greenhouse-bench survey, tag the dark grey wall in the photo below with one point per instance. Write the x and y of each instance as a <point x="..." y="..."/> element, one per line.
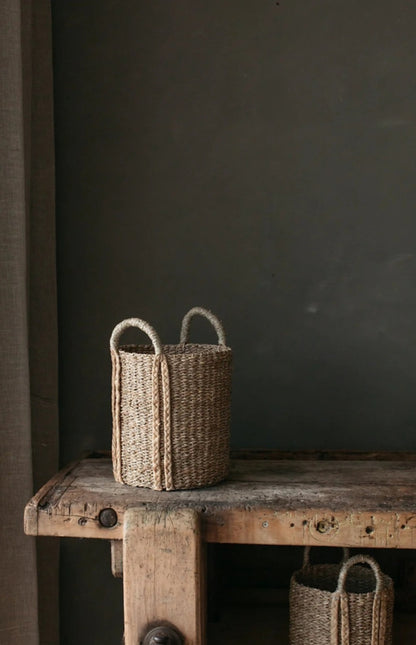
<point x="257" y="158"/>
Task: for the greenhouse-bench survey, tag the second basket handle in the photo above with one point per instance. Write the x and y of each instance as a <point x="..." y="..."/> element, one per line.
<point x="207" y="314"/>
<point x="140" y="324"/>
<point x="360" y="559"/>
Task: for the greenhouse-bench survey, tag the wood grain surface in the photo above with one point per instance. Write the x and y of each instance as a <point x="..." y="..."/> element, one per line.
<point x="352" y="502"/>
<point x="163" y="574"/>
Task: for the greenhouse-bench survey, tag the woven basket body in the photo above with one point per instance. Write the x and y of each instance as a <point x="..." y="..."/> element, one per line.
<point x="171" y="415"/>
<point x="321" y="613"/>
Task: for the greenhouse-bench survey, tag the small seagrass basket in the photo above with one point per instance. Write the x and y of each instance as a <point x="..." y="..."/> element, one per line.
<point x="345" y="604"/>
<point x="171" y="409"/>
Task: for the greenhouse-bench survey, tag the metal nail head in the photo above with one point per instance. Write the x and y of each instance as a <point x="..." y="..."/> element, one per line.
<point x="163" y="636"/>
<point x="107" y="518"/>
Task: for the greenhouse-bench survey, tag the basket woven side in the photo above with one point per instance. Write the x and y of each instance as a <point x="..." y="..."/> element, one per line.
<point x="189" y="447"/>
<point x="135" y="413"/>
<point x="200" y="409"/>
<point x="312" y="592"/>
<point x="360" y="620"/>
<point x="310" y="604"/>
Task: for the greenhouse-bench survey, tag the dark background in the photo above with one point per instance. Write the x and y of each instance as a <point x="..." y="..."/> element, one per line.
<point x="256" y="158"/>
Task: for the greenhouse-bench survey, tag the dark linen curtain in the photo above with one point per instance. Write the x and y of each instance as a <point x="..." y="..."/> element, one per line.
<point x="28" y="320"/>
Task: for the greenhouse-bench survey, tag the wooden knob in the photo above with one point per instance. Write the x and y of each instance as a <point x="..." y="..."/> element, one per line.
<point x="163" y="635"/>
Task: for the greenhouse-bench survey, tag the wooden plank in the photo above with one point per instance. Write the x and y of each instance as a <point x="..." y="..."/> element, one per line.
<point x="285" y="492"/>
<point x="163" y="574"/>
<point x="316" y="527"/>
<point x="40" y="501"/>
<point x="354" y="484"/>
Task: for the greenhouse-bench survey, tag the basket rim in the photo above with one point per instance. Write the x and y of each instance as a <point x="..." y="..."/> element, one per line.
<point x="175" y="349"/>
<point x="387" y="581"/>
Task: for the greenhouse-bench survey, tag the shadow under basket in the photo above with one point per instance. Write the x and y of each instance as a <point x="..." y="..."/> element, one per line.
<point x="345" y="604"/>
<point x="171" y="409"/>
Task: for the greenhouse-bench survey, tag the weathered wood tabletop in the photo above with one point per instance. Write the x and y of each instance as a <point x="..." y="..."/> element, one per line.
<point x="348" y="499"/>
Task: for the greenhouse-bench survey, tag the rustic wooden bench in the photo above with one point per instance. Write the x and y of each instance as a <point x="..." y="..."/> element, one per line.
<point x="158" y="539"/>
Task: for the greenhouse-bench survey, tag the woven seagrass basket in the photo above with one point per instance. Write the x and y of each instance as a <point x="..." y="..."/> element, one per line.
<point x="345" y="604"/>
<point x="171" y="409"/>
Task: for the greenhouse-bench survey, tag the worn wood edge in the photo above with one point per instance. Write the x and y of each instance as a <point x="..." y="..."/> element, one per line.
<point x="31" y="512"/>
<point x="366" y="529"/>
<point x="220" y="523"/>
<point x="320" y="526"/>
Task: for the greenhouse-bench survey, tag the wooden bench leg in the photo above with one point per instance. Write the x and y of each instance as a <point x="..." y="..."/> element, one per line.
<point x="117" y="558"/>
<point x="163" y="574"/>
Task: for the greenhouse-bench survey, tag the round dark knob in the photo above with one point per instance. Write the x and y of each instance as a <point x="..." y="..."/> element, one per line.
<point x="163" y="635"/>
<point x="107" y="518"/>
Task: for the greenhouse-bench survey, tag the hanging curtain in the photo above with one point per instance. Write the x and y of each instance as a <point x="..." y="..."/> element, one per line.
<point x="28" y="320"/>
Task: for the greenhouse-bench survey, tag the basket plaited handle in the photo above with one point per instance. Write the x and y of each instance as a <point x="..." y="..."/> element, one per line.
<point x="307" y="551"/>
<point x="340" y="621"/>
<point x="160" y="408"/>
<point x="360" y="559"/>
<point x="200" y="311"/>
<point x="140" y="324"/>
